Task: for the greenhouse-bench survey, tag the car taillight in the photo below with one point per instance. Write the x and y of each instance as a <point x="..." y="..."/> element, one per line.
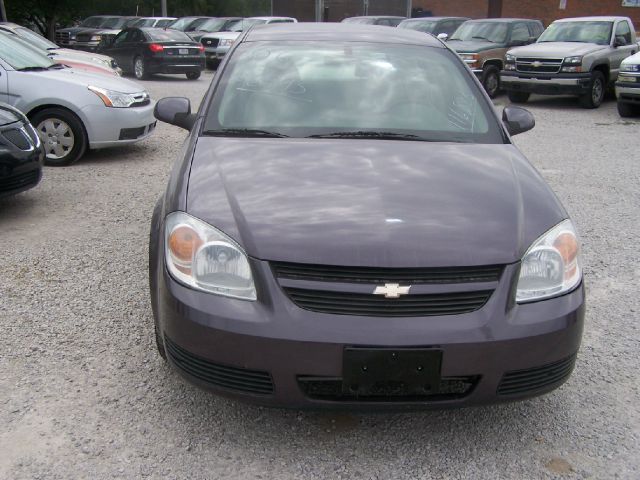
<point x="201" y="48"/>
<point x="156" y="47"/>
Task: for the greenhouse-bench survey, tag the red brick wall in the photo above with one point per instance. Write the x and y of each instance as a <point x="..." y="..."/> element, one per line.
<point x="545" y="10"/>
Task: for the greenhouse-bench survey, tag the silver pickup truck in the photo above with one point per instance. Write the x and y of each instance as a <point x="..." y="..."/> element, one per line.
<point x="574" y="56"/>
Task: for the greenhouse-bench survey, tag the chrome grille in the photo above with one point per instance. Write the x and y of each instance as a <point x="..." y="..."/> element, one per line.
<point x="62" y="37"/>
<point x="210" y="42"/>
<point x="538" y="65"/>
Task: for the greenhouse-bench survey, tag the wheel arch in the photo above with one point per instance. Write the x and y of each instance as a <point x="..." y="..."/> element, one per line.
<point x="604" y="69"/>
<point x="497" y="62"/>
<point x="37" y="109"/>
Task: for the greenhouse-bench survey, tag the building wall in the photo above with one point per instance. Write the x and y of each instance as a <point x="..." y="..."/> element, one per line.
<point x="304" y="10"/>
<point x="545" y="10"/>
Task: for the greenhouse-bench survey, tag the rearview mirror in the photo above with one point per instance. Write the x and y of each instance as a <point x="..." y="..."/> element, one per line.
<point x="517" y="120"/>
<point x="175" y="111"/>
<point x="443" y="37"/>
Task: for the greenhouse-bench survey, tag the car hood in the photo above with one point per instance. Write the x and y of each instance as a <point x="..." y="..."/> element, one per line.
<point x="556" y="49"/>
<point x="76" y="29"/>
<point x="221" y="35"/>
<point x="81" y="55"/>
<point x="472" y="47"/>
<point x="633" y="59"/>
<point x="84" y="79"/>
<point x="377" y="203"/>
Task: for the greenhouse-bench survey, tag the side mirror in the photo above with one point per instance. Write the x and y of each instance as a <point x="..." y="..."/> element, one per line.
<point x="517" y="120"/>
<point x="443" y="36"/>
<point x="619" y="41"/>
<point x="175" y="111"/>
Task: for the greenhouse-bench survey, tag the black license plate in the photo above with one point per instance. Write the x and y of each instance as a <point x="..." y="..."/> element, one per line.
<point x="390" y="372"/>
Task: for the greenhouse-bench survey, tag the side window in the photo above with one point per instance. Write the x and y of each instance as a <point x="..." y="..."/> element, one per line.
<point x="535" y="30"/>
<point x="623" y="30"/>
<point x="520" y="33"/>
<point x="281" y="20"/>
<point x="445" y="27"/>
<point x="384" y="21"/>
<point x="121" y="38"/>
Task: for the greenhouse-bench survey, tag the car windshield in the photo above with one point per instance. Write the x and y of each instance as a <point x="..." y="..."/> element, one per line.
<point x="362" y="20"/>
<point x="213" y="25"/>
<point x="583" y="32"/>
<point x="355" y="90"/>
<point x="35" y="39"/>
<point x="495" y="32"/>
<point x="160" y="35"/>
<point x="22" y="57"/>
<point x="93" y="22"/>
<point x="419" y="25"/>
<point x="117" y="22"/>
<point x="187" y="23"/>
<point x="244" y="24"/>
<point x="165" y="22"/>
<point x="144" y="22"/>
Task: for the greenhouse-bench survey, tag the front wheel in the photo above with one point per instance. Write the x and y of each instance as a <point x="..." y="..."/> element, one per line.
<point x="491" y="80"/>
<point x="595" y="95"/>
<point x="62" y="134"/>
<point x="193" y="75"/>
<point x="140" y="69"/>
<point x="518" y="97"/>
<point x="626" y="110"/>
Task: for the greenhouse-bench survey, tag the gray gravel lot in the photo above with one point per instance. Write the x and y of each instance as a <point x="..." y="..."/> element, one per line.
<point x="84" y="395"/>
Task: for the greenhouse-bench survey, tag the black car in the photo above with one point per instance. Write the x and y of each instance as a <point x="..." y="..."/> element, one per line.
<point x="21" y="153"/>
<point x="145" y="51"/>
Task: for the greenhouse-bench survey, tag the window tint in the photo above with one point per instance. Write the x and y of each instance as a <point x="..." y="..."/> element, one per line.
<point x="495" y="32"/>
<point x="520" y="33"/>
<point x="623" y="30"/>
<point x="281" y="20"/>
<point x="319" y="88"/>
<point x="598" y="32"/>
<point x="159" y="35"/>
<point x="122" y="37"/>
<point x="384" y="21"/>
<point x="447" y="27"/>
<point x="419" y="26"/>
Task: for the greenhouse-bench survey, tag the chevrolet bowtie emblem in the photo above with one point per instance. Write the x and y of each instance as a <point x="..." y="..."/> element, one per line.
<point x="392" y="290"/>
<point x="537" y="64"/>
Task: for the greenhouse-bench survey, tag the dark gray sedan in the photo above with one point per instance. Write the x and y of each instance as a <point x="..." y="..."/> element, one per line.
<point x="349" y="224"/>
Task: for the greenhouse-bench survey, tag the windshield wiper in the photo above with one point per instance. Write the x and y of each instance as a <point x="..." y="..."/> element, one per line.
<point x="371" y="135"/>
<point x="244" y="132"/>
<point x="481" y="38"/>
<point x="55" y="66"/>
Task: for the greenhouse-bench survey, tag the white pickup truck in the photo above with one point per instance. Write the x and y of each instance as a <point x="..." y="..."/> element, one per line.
<point x="574" y="56"/>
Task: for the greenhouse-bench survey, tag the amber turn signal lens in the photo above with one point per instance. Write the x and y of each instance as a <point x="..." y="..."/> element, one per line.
<point x="567" y="245"/>
<point x="183" y="243"/>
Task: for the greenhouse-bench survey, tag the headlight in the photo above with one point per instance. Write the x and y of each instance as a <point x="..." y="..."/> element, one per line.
<point x="573" y="61"/>
<point x="510" y="58"/>
<point x="202" y="257"/>
<point x="576" y="69"/>
<point x="96" y="38"/>
<point x="114" y="99"/>
<point x="630" y="67"/>
<point x="551" y="267"/>
<point x="226" y="42"/>
<point x="72" y="36"/>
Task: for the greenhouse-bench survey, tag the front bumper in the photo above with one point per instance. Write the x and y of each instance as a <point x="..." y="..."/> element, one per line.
<point x="273" y="352"/>
<point x="109" y="127"/>
<point x="627" y="92"/>
<point x="217" y="53"/>
<point x="20" y="168"/>
<point x="558" y="84"/>
<point x="87" y="46"/>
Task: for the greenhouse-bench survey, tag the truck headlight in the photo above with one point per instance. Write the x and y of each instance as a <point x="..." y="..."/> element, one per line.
<point x="551" y="267"/>
<point x="226" y="42"/>
<point x="510" y="58"/>
<point x="96" y="38"/>
<point x="202" y="257"/>
<point x="573" y="61"/>
<point x="114" y="99"/>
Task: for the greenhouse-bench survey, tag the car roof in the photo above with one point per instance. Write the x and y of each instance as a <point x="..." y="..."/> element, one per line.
<point x="341" y="32"/>
<point x="592" y="19"/>
<point x="504" y="20"/>
<point x="266" y="18"/>
<point x="377" y="16"/>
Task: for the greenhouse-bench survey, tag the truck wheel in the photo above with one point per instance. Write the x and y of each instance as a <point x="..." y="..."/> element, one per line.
<point x="491" y="80"/>
<point x="193" y="75"/>
<point x="625" y="110"/>
<point x="62" y="134"/>
<point x="518" y="97"/>
<point x="597" y="88"/>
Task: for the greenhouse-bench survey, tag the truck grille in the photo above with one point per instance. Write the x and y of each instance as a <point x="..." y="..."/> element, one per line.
<point x="210" y="42"/>
<point x="62" y="37"/>
<point x="344" y="294"/>
<point x="538" y="65"/>
<point x="83" y="37"/>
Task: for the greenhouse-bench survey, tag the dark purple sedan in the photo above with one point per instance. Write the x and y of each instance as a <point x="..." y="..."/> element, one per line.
<point x="349" y="224"/>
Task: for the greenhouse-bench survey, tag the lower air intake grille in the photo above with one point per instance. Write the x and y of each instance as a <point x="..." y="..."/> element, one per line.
<point x="322" y="388"/>
<point x="531" y="379"/>
<point x="231" y="378"/>
<point x="347" y="303"/>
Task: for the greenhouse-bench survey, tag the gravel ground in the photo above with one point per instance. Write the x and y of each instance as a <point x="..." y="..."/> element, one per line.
<point x="84" y="395"/>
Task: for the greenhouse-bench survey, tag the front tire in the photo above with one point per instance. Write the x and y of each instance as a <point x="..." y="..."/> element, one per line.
<point x="597" y="89"/>
<point x="625" y="110"/>
<point x="140" y="68"/>
<point x="154" y="233"/>
<point x="193" y="75"/>
<point x="491" y="80"/>
<point x="62" y="134"/>
<point x="518" y="97"/>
